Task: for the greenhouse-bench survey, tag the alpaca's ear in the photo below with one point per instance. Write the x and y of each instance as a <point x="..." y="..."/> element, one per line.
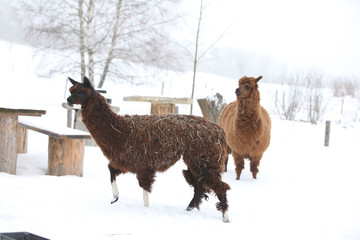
<point x="73" y="82"/>
<point x="258" y="78"/>
<point x="87" y="82"/>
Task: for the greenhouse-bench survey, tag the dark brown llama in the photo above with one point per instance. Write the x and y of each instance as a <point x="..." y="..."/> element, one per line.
<point x="247" y="126"/>
<point x="144" y="145"/>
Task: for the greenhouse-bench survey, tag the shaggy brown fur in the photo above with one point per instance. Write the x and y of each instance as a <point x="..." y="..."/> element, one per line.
<point x="247" y="126"/>
<point x="144" y="145"/>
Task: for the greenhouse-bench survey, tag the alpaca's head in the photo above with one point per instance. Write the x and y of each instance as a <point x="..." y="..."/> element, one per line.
<point x="247" y="87"/>
<point x="80" y="92"/>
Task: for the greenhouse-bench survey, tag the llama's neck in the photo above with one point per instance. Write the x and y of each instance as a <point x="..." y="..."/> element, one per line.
<point x="247" y="112"/>
<point x="97" y="114"/>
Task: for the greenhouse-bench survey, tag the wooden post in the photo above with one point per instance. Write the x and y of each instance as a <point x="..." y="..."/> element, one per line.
<point x="8" y="143"/>
<point x="69" y="118"/>
<point x="22" y="139"/>
<point x="327" y="134"/>
<point x="162" y="108"/>
<point x="65" y="156"/>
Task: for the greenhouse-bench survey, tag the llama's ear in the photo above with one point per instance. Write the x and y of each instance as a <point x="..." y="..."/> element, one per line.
<point x="73" y="82"/>
<point x="87" y="83"/>
<point x="258" y="78"/>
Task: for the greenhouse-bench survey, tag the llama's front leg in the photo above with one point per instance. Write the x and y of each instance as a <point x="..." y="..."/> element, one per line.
<point x="113" y="173"/>
<point x="239" y="164"/>
<point x="146" y="180"/>
<point x="254" y="164"/>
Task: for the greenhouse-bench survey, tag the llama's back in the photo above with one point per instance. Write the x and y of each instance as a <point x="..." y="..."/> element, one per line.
<point x="162" y="140"/>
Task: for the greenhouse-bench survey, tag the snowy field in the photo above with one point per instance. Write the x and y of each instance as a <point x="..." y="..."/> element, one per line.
<point x="304" y="190"/>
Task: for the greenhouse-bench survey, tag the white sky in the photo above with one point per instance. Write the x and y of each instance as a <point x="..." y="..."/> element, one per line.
<point x="320" y="33"/>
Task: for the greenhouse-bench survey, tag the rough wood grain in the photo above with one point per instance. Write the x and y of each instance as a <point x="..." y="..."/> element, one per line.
<point x="154" y="99"/>
<point x="23" y="112"/>
<point x="8" y="143"/>
<point x="65" y="156"/>
<point x="162" y="108"/>
<point x="22" y="139"/>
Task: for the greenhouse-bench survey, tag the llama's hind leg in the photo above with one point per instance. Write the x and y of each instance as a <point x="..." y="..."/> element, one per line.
<point x="239" y="164"/>
<point x="113" y="173"/>
<point x="219" y="187"/>
<point x="199" y="191"/>
<point x="146" y="179"/>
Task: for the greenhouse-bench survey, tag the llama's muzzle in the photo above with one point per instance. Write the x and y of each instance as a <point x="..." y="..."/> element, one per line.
<point x="70" y="101"/>
<point x="237" y="92"/>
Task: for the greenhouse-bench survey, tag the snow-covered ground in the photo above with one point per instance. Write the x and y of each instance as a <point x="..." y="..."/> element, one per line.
<point x="304" y="190"/>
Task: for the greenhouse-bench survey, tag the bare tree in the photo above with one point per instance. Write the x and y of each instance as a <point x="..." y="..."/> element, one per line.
<point x="288" y="104"/>
<point x="197" y="56"/>
<point x="109" y="35"/>
<point x="314" y="100"/>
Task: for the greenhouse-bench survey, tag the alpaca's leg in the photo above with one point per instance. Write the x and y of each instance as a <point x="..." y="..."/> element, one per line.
<point x="254" y="164"/>
<point x="239" y="164"/>
<point x="113" y="173"/>
<point x="146" y="179"/>
<point x="199" y="191"/>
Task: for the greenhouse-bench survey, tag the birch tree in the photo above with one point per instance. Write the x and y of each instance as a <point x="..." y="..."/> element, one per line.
<point x="197" y="54"/>
<point x="102" y="39"/>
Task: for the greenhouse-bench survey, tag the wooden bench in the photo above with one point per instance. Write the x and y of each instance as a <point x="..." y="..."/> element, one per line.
<point x="65" y="149"/>
<point x="160" y="105"/>
<point x="8" y="135"/>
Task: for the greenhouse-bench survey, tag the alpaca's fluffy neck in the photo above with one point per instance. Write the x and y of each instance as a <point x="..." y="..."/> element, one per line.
<point x="247" y="111"/>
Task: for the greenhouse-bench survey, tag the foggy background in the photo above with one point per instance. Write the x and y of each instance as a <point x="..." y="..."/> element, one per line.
<point x="259" y="37"/>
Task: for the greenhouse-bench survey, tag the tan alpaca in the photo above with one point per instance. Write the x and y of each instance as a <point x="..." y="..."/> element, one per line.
<point x="247" y="126"/>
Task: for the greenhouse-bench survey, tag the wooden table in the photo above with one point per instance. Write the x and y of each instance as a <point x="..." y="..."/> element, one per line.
<point x="8" y="136"/>
<point x="160" y="105"/>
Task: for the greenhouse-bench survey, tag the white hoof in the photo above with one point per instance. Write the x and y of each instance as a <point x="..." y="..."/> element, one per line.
<point x="115" y="192"/>
<point x="146" y="198"/>
<point x="226" y="218"/>
<point x="114" y="200"/>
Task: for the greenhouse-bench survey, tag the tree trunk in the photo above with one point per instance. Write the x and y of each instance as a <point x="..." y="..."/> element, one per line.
<point x="82" y="39"/>
<point x="196" y="57"/>
<point x="113" y="42"/>
<point x="91" y="42"/>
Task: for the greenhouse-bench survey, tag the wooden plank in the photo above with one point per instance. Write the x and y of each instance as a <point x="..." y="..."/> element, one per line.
<point x="68" y="133"/>
<point x="65" y="156"/>
<point x="154" y="99"/>
<point x="24" y="112"/>
<point x="8" y="143"/>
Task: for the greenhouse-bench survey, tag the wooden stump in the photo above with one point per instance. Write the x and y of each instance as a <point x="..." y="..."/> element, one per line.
<point x="162" y="108"/>
<point x="22" y="139"/>
<point x="8" y="143"/>
<point x="69" y="162"/>
<point x="212" y="108"/>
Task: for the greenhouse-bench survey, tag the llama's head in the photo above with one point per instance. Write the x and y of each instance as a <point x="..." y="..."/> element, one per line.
<point x="80" y="92"/>
<point x="247" y="86"/>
